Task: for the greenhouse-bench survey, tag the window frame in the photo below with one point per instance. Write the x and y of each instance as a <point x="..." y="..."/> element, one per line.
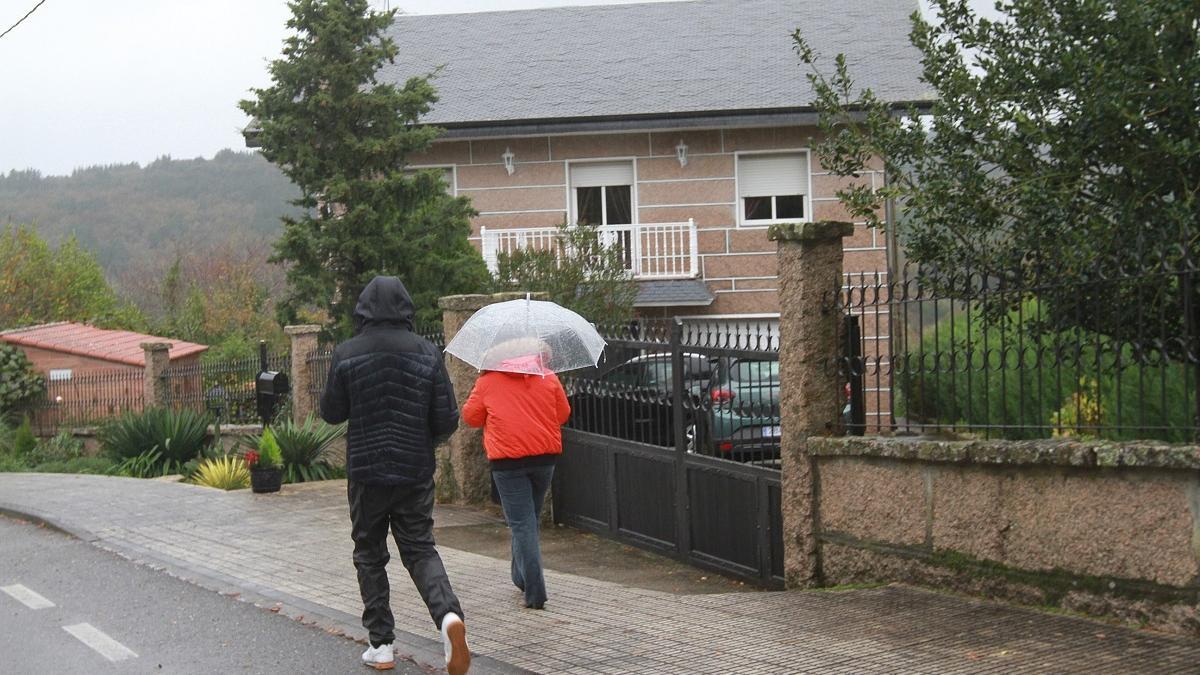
<point x="740" y="201"/>
<point x="573" y="197"/>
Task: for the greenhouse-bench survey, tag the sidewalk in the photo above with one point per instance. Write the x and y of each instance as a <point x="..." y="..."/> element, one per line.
<point x="293" y="549"/>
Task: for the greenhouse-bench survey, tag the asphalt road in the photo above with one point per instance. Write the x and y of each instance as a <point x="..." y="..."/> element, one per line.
<point x="68" y="607"/>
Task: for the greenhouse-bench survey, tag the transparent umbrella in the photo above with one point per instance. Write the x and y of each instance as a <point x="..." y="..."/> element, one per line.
<point x="527" y="336"/>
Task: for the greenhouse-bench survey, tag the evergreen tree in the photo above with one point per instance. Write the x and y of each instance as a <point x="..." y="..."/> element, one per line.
<point x="342" y="137"/>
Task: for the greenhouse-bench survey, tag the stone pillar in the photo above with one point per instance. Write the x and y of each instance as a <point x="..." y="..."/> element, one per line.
<point x="463" y="475"/>
<point x="155" y="388"/>
<point x="304" y="343"/>
<point x="810" y="271"/>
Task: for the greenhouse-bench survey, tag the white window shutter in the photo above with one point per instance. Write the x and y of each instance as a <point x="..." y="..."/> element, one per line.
<point x="594" y="174"/>
<point x="772" y="175"/>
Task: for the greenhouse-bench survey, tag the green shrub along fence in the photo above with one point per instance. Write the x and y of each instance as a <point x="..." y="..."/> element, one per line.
<point x="1105" y="353"/>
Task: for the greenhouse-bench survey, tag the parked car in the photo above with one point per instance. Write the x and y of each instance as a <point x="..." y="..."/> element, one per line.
<point x="634" y="400"/>
<point x="743" y="411"/>
<point x="732" y="405"/>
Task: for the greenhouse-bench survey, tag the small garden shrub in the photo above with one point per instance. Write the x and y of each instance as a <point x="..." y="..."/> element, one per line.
<point x="87" y="465"/>
<point x="24" y="443"/>
<point x="145" y="465"/>
<point x="227" y="472"/>
<point x="303" y="447"/>
<point x="62" y="448"/>
<point x="264" y="452"/>
<point x="177" y="435"/>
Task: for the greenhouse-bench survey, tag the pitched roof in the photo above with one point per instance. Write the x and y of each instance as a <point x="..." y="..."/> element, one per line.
<point x="109" y="345"/>
<point x="650" y="59"/>
<point x="674" y="293"/>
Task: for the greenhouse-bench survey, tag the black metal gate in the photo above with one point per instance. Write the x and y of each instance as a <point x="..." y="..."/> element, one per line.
<point x="652" y="457"/>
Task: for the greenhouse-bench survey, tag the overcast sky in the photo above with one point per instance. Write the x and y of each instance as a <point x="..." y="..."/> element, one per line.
<point x="86" y="82"/>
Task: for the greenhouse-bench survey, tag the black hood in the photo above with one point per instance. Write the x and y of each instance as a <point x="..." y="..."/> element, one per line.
<point x="384" y="302"/>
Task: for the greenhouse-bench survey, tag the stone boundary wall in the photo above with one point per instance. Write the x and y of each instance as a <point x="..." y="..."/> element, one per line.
<point x="1107" y="529"/>
<point x="231" y="434"/>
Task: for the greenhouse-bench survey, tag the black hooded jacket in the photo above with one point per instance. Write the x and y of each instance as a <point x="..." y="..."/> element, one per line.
<point x="392" y="385"/>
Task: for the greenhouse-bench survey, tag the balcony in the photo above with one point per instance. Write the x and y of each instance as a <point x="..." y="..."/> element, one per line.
<point x="651" y="251"/>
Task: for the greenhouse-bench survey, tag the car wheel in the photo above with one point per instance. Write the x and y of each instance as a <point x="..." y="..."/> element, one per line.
<point x="689" y="434"/>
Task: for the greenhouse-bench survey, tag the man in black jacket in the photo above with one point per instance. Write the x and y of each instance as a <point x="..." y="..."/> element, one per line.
<point x="391" y="384"/>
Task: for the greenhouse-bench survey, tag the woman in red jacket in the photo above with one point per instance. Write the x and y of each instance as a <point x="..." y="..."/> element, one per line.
<point x="521" y="415"/>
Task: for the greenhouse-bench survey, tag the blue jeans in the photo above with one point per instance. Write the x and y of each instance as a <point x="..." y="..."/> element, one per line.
<point x="522" y="492"/>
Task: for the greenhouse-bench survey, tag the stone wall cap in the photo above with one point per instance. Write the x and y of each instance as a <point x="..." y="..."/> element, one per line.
<point x="820" y="230"/>
<point x="303" y="329"/>
<point x="1047" y="452"/>
<point x="470" y="303"/>
<point x="460" y="303"/>
<point x="156" y="346"/>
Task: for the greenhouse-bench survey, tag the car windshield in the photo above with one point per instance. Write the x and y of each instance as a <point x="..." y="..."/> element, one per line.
<point x="755" y="372"/>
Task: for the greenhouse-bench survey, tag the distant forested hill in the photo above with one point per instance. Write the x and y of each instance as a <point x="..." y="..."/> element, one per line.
<point x="131" y="215"/>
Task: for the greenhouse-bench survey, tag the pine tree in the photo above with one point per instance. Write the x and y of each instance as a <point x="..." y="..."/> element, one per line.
<point x="342" y="137"/>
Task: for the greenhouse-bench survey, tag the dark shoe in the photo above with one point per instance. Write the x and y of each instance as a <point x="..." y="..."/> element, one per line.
<point x="535" y="605"/>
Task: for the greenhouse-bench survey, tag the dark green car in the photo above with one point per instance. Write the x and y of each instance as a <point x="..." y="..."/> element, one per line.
<point x="742" y="406"/>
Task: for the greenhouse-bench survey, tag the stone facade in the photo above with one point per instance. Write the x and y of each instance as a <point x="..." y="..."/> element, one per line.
<point x="1107" y="528"/>
<point x="738" y="262"/>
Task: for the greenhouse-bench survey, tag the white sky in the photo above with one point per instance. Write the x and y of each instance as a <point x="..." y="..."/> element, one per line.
<point x="86" y="82"/>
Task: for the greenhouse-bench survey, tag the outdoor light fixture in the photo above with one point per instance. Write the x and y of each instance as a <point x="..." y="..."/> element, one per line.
<point x="681" y="153"/>
<point x="510" y="161"/>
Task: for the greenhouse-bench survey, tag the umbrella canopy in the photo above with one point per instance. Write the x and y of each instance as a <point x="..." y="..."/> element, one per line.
<point x="527" y="336"/>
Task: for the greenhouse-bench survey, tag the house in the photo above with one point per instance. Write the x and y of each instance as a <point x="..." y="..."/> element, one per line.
<point x="683" y="129"/>
<point x="92" y="372"/>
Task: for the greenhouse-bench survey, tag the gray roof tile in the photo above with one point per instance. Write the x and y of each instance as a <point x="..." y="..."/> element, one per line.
<point x="650" y="59"/>
<point x="674" y="293"/>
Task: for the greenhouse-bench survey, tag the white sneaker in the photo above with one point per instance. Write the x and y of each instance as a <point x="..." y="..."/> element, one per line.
<point x="382" y="657"/>
<point x="454" y="642"/>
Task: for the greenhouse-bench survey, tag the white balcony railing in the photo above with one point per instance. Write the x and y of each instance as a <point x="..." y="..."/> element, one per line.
<point x="651" y="251"/>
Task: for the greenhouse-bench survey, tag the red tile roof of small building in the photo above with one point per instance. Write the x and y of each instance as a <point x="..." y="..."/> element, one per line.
<point x="120" y="346"/>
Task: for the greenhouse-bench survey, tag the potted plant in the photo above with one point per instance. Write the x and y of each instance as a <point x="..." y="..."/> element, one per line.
<point x="266" y="463"/>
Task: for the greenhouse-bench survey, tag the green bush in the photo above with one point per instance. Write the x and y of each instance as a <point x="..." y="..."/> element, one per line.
<point x="87" y="465"/>
<point x="957" y="376"/>
<point x="149" y="464"/>
<point x="24" y="443"/>
<point x="20" y="384"/>
<point x="177" y="436"/>
<point x="303" y="446"/>
<point x="63" y="447"/>
<point x="11" y="464"/>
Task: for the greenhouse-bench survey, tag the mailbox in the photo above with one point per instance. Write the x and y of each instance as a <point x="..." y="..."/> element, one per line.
<point x="270" y="389"/>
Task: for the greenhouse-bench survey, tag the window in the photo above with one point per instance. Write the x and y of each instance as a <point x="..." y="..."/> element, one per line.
<point x="602" y="193"/>
<point x="773" y="187"/>
<point x="60" y="375"/>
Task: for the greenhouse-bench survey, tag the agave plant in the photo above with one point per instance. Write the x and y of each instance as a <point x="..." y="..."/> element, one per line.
<point x="179" y="435"/>
<point x="303" y="448"/>
<point x="227" y="472"/>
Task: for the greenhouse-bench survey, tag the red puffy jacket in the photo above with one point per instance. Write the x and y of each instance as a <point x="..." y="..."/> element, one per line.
<point x="521" y="414"/>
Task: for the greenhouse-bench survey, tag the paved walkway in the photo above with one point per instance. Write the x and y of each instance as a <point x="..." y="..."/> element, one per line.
<point x="293" y="548"/>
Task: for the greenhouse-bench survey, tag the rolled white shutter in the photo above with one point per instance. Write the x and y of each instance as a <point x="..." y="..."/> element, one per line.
<point x="594" y="174"/>
<point x="772" y="175"/>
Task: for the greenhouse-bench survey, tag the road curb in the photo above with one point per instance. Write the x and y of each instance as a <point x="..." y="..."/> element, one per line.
<point x="423" y="651"/>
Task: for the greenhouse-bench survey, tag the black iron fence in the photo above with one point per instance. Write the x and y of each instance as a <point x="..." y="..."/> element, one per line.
<point x="224" y="389"/>
<point x="1106" y="352"/>
<point x="711" y="389"/>
<point x="86" y="398"/>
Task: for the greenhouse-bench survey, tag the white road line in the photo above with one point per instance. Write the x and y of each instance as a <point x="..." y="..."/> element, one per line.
<point x="101" y="643"/>
<point x="26" y="597"/>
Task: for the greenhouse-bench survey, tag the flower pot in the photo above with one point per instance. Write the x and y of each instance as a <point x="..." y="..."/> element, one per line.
<point x="266" y="480"/>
